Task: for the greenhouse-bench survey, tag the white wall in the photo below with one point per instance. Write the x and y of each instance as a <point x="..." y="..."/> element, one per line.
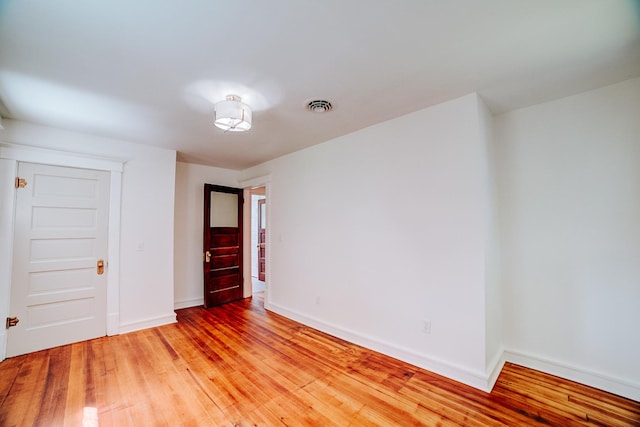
<point x="146" y="240"/>
<point x="189" y="208"/>
<point x="374" y="232"/>
<point x="570" y="212"/>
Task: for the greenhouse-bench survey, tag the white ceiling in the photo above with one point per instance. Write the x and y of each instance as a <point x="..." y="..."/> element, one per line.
<point x="149" y="71"/>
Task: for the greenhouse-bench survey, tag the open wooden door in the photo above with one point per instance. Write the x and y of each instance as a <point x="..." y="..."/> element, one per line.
<point x="222" y="244"/>
<point x="262" y="235"/>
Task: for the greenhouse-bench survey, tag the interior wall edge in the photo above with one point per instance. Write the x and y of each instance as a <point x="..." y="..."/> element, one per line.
<point x="113" y="324"/>
<point x="3" y="346"/>
<point x="8" y="171"/>
<point x="494" y="368"/>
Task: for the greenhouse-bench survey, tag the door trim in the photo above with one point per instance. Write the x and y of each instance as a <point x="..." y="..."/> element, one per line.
<point x="10" y="155"/>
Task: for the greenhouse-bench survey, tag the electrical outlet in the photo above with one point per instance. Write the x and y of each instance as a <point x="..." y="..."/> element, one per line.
<point x="317" y="300"/>
<point x="426" y="326"/>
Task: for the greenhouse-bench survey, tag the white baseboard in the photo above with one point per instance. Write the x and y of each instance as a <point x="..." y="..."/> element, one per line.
<point x="147" y="323"/>
<point x="475" y="379"/>
<point x="185" y="303"/>
<point x="113" y="324"/>
<point x="608" y="383"/>
<point x="494" y="368"/>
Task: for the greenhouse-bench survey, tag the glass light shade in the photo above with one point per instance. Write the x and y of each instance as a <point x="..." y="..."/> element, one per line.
<point x="232" y="115"/>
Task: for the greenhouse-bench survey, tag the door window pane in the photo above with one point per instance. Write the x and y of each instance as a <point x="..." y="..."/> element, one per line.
<point x="224" y="209"/>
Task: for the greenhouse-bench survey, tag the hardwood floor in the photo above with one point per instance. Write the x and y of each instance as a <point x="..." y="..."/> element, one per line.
<point x="238" y="365"/>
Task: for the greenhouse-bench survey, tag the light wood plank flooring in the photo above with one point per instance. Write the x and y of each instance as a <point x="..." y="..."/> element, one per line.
<point x="238" y="365"/>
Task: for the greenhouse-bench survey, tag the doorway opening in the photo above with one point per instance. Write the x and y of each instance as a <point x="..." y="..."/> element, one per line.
<point x="258" y="239"/>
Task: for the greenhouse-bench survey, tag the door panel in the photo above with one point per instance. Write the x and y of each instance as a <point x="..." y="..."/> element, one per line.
<point x="222" y="244"/>
<point x="224" y="261"/>
<point x="224" y="238"/>
<point x="262" y="239"/>
<point x="60" y="234"/>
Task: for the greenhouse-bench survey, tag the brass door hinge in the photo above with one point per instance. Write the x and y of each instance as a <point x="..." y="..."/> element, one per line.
<point x="21" y="182"/>
<point x="11" y="321"/>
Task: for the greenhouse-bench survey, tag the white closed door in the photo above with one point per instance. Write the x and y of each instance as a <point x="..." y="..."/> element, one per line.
<point x="58" y="290"/>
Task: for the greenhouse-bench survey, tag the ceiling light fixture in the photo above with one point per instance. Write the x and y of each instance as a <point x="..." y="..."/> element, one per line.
<point x="232" y="115"/>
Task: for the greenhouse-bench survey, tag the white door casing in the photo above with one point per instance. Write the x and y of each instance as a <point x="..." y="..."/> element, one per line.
<point x="60" y="233"/>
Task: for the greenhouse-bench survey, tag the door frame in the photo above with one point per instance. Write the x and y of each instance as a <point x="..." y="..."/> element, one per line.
<point x="262" y="207"/>
<point x="10" y="156"/>
<point x="247" y="185"/>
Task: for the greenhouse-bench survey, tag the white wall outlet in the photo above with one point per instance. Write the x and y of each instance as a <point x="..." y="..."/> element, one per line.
<point x="426" y="326"/>
<point x="317" y="300"/>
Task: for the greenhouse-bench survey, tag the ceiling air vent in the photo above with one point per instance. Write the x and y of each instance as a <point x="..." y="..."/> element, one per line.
<point x="319" y="106"/>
